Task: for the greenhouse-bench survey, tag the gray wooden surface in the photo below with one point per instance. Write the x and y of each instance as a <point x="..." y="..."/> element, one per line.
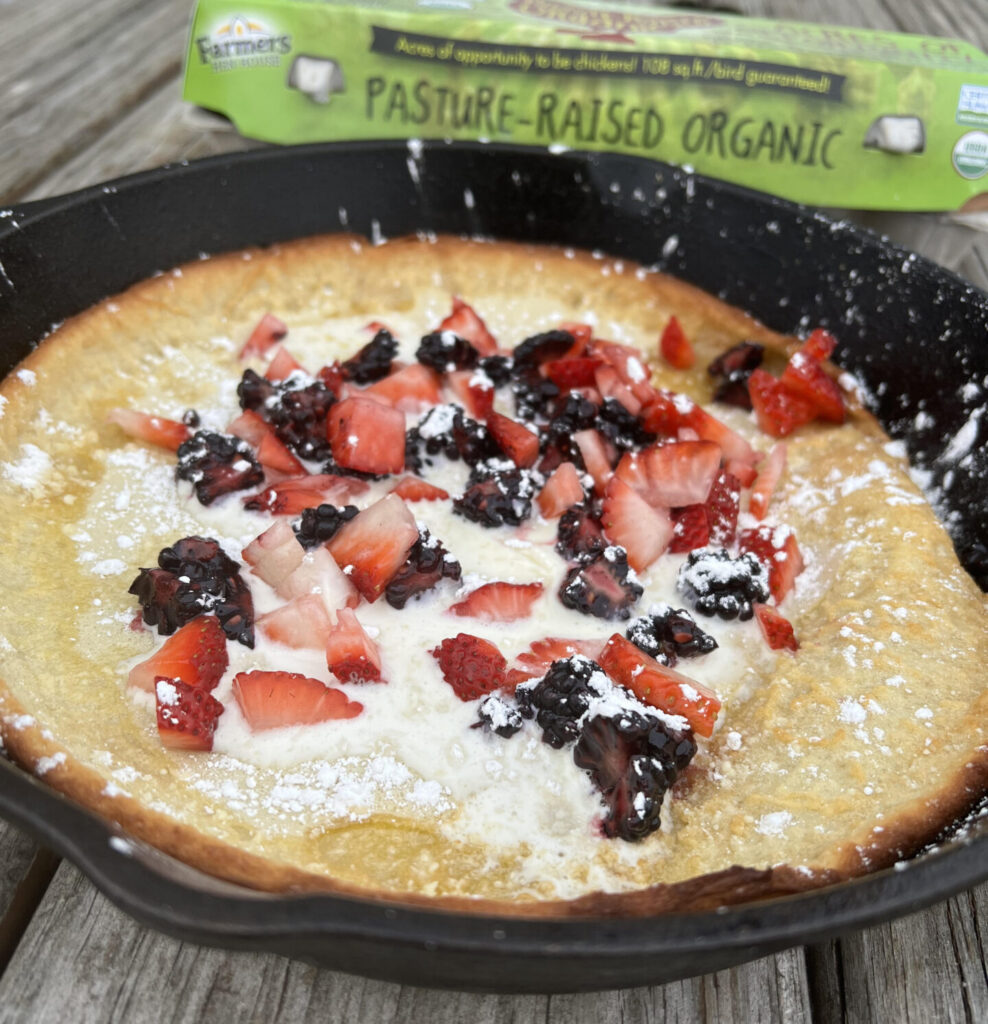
<point x="69" y="117"/>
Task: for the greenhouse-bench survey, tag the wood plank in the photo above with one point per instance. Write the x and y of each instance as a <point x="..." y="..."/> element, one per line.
<point x="83" y="960"/>
<point x="70" y="99"/>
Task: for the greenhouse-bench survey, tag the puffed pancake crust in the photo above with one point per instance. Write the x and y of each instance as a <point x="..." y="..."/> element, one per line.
<point x="824" y="764"/>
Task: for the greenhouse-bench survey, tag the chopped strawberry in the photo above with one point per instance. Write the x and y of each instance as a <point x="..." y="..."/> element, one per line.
<point x="691" y="529"/>
<point x="675" y="346"/>
<point x="610" y="385"/>
<point x="514" y="439"/>
<point x="731" y="443"/>
<point x="779" y="552"/>
<point x="153" y="429"/>
<point x="595" y="457"/>
<point x="499" y="602"/>
<point x="562" y="490"/>
<point x="776" y="628"/>
<point x="542" y="653"/>
<point x="275" y="554"/>
<point x="808" y="380"/>
<point x="249" y="426"/>
<point x="643" y="530"/>
<point x="582" y="335"/>
<point x="465" y="323"/>
<point x="196" y="654"/>
<point x="663" y="414"/>
<point x="319" y="574"/>
<point x="411" y="488"/>
<point x="572" y="372"/>
<point x="350" y="653"/>
<point x="778" y="411"/>
<point x="472" y="666"/>
<point x="333" y="377"/>
<point x="373" y="545"/>
<point x="271" y="700"/>
<point x="473" y="390"/>
<point x="672" y="475"/>
<point x="290" y="497"/>
<point x="283" y="365"/>
<point x="409" y="389"/>
<point x="272" y="454"/>
<point x="269" y="331"/>
<point x="659" y="686"/>
<point x="625" y="359"/>
<point x="300" y="623"/>
<point x="367" y="436"/>
<point x="723" y="505"/>
<point x="744" y="472"/>
<point x="767" y="480"/>
<point x="819" y="345"/>
<point x="187" y="715"/>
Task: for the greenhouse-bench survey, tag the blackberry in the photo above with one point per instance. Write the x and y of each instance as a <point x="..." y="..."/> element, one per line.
<point x="633" y="759"/>
<point x="605" y="587"/>
<point x="191" y="418"/>
<point x="194" y="576"/>
<point x="717" y="584"/>
<point x="535" y="395"/>
<point x="216" y="464"/>
<point x="498" y="368"/>
<point x="447" y="430"/>
<point x="499" y="716"/>
<point x="373" y="361"/>
<point x="580" y="536"/>
<point x="669" y="635"/>
<point x="540" y="348"/>
<point x="318" y="525"/>
<point x="570" y="412"/>
<point x="621" y="428"/>
<point x="497" y="493"/>
<point x="428" y="562"/>
<point x="444" y="351"/>
<point x="297" y="411"/>
<point x="560" y="698"/>
<point x="734" y="367"/>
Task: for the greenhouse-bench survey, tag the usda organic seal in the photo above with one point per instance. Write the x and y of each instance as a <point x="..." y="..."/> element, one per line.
<point x="970" y="154"/>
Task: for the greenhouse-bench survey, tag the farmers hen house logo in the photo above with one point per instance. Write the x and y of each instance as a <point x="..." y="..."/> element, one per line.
<point x="243" y="42"/>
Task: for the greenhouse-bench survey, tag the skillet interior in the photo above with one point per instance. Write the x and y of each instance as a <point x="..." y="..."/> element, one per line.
<point x="915" y="334"/>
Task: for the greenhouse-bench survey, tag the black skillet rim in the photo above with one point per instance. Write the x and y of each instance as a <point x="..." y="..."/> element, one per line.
<point x="597" y="953"/>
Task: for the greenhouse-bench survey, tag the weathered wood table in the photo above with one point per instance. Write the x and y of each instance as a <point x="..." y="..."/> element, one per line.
<point x="90" y="91"/>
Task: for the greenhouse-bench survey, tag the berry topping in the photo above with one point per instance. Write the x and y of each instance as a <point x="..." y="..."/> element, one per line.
<point x="283" y="365"/>
<point x="540" y="348"/>
<point x="630" y="521"/>
<point x="296" y="409"/>
<point x="270" y="700"/>
<point x="155" y="429"/>
<point x="535" y="395"/>
<point x="499" y="716"/>
<point x="691" y="529"/>
<point x="562" y="490"/>
<point x="274" y="554"/>
<point x="560" y="698"/>
<point x="819" y="345"/>
<point x="675" y="346"/>
<point x="732" y="369"/>
<point x="187" y="715"/>
<point x="373" y="546"/>
<point x="605" y="587"/>
<point x="268" y="332"/>
<point x="778" y="551"/>
<point x="196" y="654"/>
<point x="194" y="576"/>
<point x="464" y="322"/>
<point x="660" y="686"/>
<point x="474" y="390"/>
<point x="808" y="380"/>
<point x="445" y="430"/>
<point x="717" y="584"/>
<point x="411" y="488"/>
<point x="776" y="629"/>
<point x="577" y="372"/>
<point x="444" y="351"/>
<point x="373" y="361"/>
<point x="302" y="622"/>
<point x="516" y="441"/>
<point x="580" y="536"/>
<point x="216" y="464"/>
<point x="320" y="524"/>
<point x="428" y="562"/>
<point x="623" y="429"/>
<point x="350" y="653"/>
<point x="672" y="475"/>
<point x="497" y="369"/>
<point x="778" y="410"/>
<point x="722" y="507"/>
<point x="410" y="389"/>
<point x="668" y="635"/>
<point x="497" y="494"/>
<point x="542" y="653"/>
<point x="499" y="602"/>
<point x="367" y="436"/>
<point x="596" y="457"/>
<point x="473" y="667"/>
<point x="293" y="496"/>
<point x="633" y="760"/>
<point x="767" y="480"/>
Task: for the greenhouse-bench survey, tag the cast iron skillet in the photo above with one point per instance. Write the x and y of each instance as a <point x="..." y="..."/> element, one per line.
<point x="914" y="333"/>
